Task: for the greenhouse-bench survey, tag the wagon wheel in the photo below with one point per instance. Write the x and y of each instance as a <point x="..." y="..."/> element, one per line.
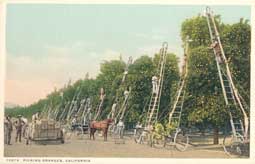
<point x="158" y="141"/>
<point x="233" y="146"/>
<point x="181" y="141"/>
<point x="169" y="142"/>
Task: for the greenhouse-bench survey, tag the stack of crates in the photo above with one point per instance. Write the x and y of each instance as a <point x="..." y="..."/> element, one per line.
<point x="46" y="130"/>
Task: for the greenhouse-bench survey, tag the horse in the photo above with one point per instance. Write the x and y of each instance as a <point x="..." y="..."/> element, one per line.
<point x="100" y="125"/>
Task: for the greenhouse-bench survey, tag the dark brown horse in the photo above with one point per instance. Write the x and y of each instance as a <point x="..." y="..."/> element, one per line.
<point x="100" y="125"/>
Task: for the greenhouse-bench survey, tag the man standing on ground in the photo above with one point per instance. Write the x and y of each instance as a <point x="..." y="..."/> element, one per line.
<point x="18" y="125"/>
<point x="25" y="125"/>
<point x="5" y="130"/>
<point x="120" y="128"/>
<point x="9" y="129"/>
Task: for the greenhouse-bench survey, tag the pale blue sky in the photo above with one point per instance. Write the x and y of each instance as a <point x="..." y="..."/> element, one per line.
<point x="49" y="43"/>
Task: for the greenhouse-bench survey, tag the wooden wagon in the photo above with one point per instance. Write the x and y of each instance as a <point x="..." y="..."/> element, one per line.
<point x="43" y="131"/>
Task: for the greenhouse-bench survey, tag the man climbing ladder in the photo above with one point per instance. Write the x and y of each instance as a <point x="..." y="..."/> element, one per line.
<point x="157" y="83"/>
<point x="239" y="120"/>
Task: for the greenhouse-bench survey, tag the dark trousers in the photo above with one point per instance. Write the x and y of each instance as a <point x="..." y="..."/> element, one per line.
<point x="18" y="135"/>
<point x="9" y="136"/>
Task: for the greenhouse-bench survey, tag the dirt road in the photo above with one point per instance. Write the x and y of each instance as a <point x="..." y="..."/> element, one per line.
<point x="77" y="147"/>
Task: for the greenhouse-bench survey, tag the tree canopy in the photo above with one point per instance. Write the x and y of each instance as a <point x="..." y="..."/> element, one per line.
<point x="204" y="103"/>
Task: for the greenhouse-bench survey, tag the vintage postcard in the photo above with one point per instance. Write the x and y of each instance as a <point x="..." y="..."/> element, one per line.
<point x="106" y="82"/>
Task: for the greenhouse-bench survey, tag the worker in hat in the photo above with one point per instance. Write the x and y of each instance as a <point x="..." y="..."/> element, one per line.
<point x="74" y="122"/>
<point x="154" y="84"/>
<point x="215" y="45"/>
<point x="8" y="130"/>
<point x="101" y="94"/>
<point x="114" y="105"/>
<point x="25" y="125"/>
<point x="120" y="128"/>
<point x="18" y="125"/>
<point x="126" y="93"/>
<point x="35" y="117"/>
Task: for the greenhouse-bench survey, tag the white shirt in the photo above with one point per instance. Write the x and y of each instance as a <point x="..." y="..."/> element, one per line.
<point x="35" y="117"/>
<point x="154" y="79"/>
<point x="138" y="126"/>
<point x="74" y="121"/>
<point x="126" y="93"/>
<point x="24" y="120"/>
<point x="114" y="107"/>
<point x="120" y="124"/>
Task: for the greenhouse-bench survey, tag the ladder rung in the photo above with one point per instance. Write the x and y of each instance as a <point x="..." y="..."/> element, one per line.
<point x="239" y="136"/>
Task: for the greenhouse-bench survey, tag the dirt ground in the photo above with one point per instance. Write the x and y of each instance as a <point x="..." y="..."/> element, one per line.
<point x="83" y="147"/>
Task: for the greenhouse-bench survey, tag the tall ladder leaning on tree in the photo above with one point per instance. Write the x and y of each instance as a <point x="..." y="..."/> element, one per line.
<point x="63" y="113"/>
<point x="176" y="137"/>
<point x="121" y="113"/>
<point x="123" y="106"/>
<point x="86" y="113"/>
<point x="177" y="107"/>
<point x="239" y="124"/>
<point x="100" y="105"/>
<point x="152" y="114"/>
<point x="81" y="108"/>
<point x="73" y="104"/>
<point x="58" y="108"/>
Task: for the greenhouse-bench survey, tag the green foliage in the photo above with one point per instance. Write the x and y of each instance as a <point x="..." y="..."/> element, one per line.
<point x="159" y="131"/>
<point x="109" y="78"/>
<point x="237" y="45"/>
<point x="204" y="103"/>
<point x="171" y="127"/>
<point x="197" y="30"/>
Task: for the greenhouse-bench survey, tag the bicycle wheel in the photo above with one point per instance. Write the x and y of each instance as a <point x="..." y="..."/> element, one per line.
<point x="146" y="138"/>
<point x="169" y="142"/>
<point x="137" y="136"/>
<point x="181" y="141"/>
<point x="233" y="145"/>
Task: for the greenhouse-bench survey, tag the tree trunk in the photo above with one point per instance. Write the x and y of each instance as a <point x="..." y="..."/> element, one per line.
<point x="216" y="136"/>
